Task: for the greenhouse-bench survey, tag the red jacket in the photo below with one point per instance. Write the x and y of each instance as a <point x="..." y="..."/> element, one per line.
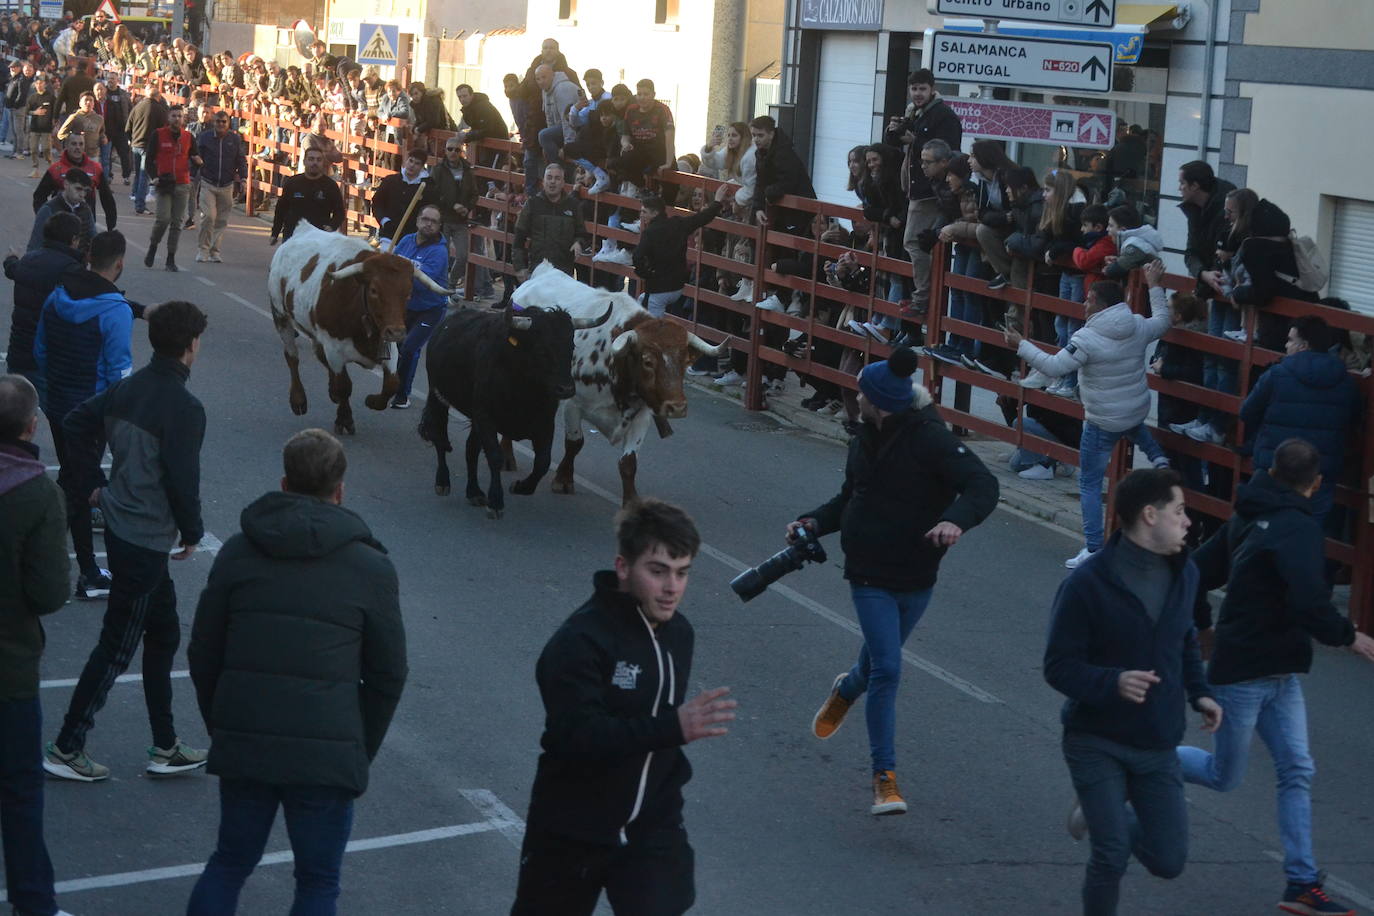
<point x="173" y="157"/>
<point x="58" y="170"/>
<point x="1092" y="260"/>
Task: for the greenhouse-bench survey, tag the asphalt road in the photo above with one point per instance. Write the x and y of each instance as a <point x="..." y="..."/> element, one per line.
<point x="779" y="820"/>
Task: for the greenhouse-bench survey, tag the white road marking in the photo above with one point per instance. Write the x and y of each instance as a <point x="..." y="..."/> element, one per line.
<point x="54" y="468"/>
<point x="246" y="304"/>
<point x="204" y="281"/>
<point x="121" y="879"/>
<point x="497" y="813"/>
<point x="122" y="679"/>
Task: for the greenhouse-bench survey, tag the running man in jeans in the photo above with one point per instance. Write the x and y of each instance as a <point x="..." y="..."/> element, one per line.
<point x="152" y="503"/>
<point x="1269" y="557"/>
<point x="1123" y="650"/>
<point x="911" y="490"/>
<point x="1110" y="353"/>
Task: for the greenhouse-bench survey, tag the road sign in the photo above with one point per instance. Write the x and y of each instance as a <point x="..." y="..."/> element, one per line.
<point x="1027" y="63"/>
<point x="49" y="9"/>
<point x="1097" y="13"/>
<point x="1047" y="124"/>
<point x="378" y="44"/>
<point x="106" y="10"/>
<point x="1126" y="45"/>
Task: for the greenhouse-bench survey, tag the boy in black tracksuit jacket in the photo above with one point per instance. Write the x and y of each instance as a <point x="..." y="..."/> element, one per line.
<point x="606" y="807"/>
<point x="660" y="258"/>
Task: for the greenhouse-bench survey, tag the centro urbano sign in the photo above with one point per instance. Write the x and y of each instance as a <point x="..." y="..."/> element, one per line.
<point x="855" y="15"/>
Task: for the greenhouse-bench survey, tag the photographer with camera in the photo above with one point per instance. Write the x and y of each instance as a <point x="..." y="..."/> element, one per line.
<point x="910" y="491"/>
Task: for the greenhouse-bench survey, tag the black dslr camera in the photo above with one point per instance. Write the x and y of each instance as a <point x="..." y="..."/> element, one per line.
<point x="753" y="582"/>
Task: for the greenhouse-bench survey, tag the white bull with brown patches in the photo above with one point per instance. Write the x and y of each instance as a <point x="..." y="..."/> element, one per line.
<point x="349" y="300"/>
<point x="627" y="371"/>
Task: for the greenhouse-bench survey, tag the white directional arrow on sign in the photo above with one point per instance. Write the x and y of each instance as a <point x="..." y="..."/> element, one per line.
<point x="1096" y="13"/>
<point x="1094" y="130"/>
<point x="1011" y="60"/>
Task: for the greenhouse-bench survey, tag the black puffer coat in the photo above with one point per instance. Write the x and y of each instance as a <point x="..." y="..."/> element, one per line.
<point x="298" y="651"/>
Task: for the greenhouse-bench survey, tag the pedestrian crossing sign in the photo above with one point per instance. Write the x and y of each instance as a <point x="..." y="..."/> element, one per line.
<point x="378" y="44"/>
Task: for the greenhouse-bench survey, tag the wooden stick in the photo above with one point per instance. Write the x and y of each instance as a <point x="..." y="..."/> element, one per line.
<point x="414" y="199"/>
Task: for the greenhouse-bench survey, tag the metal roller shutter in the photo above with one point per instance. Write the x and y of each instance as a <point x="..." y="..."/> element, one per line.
<point x="844" y="110"/>
<point x="1352" y="254"/>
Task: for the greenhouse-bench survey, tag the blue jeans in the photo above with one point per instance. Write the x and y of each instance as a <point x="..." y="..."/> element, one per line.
<point x="1219" y="374"/>
<point x="656" y="303"/>
<point x="1107" y="775"/>
<point x="551" y="144"/>
<point x="1274" y="707"/>
<point x="140" y="179"/>
<point x="420" y="327"/>
<point x="966" y="306"/>
<point x="106" y="159"/>
<point x="1024" y="458"/>
<point x="533" y="166"/>
<point x="6" y="119"/>
<point x="886" y="619"/>
<point x="318" y="821"/>
<point x="1070" y="288"/>
<point x="1094" y="451"/>
<point x="28" y="870"/>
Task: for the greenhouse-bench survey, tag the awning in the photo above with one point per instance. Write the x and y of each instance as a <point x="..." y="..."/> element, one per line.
<point x="1127" y="38"/>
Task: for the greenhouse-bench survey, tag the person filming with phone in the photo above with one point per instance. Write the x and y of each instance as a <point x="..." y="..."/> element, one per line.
<point x="911" y="491"/>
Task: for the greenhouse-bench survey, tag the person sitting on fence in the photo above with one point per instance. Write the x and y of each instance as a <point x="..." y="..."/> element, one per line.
<point x="394" y="193"/>
<point x="646" y="137"/>
<point x="1109" y="354"/>
<point x="594" y="145"/>
<point x="1055" y="239"/>
<point x="1267" y="268"/>
<point x="480" y="118"/>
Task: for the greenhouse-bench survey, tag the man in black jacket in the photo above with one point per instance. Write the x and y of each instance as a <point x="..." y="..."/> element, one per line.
<point x="483" y="121"/>
<point x="455" y="193"/>
<point x="311" y="196"/>
<point x="929" y="119"/>
<point x="549" y="228"/>
<point x="1269" y="557"/>
<point x="660" y="258"/>
<point x="35" y="276"/>
<point x="146" y="116"/>
<point x="780" y="171"/>
<point x="293" y="725"/>
<point x="152" y="503"/>
<point x="911" y="490"/>
<point x="1122" y="648"/>
<point x="606" y="807"/>
<point x="394" y="193"/>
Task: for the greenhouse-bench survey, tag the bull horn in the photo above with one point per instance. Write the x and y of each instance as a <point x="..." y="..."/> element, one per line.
<point x="519" y="322"/>
<point x="428" y="282"/>
<point x="705" y="349"/>
<point x="623" y="341"/>
<point x="582" y="324"/>
<point x="343" y="273"/>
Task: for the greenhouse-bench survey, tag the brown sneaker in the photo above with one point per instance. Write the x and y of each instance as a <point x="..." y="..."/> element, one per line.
<point x="832" y="712"/>
<point x="886" y="798"/>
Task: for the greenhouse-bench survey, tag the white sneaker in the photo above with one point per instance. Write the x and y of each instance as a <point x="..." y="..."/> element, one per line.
<point x="1161" y="463"/>
<point x="608" y="247"/>
<point x="771" y="304"/>
<point x="619" y="256"/>
<point x="630" y="227"/>
<point x="1206" y="432"/>
<point x="833" y="409"/>
<point x="599" y="185"/>
<point x="1238" y="336"/>
<point x="1063" y="470"/>
<point x="202" y="257"/>
<point x="745" y="292"/>
<point x="731" y="379"/>
<point x="795" y="306"/>
<point x="857" y="327"/>
<point x="1036" y="379"/>
<point x="1182" y="428"/>
<point x="1077" y="824"/>
<point x="1036" y="472"/>
<point x="1077" y="559"/>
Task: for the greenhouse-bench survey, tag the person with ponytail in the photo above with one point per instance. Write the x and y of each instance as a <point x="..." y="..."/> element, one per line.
<point x="911" y="490"/>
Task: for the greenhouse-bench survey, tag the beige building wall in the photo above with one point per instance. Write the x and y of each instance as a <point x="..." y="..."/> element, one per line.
<point x="1303" y="147"/>
<point x="1335" y="24"/>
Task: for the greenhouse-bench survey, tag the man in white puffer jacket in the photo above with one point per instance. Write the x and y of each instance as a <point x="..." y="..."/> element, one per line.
<point x="1109" y="353"/>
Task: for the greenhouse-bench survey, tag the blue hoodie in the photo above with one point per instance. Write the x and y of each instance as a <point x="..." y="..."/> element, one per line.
<point x="433" y="260"/>
<point x="1307" y="395"/>
<point x="82" y="343"/>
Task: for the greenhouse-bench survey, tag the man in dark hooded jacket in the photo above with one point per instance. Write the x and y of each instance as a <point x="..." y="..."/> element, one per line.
<point x="1269" y="557"/>
<point x="298" y="657"/>
<point x="35" y="275"/>
<point x="1307" y="395"/>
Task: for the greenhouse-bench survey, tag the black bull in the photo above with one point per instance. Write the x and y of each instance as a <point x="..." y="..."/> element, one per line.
<point x="506" y="372"/>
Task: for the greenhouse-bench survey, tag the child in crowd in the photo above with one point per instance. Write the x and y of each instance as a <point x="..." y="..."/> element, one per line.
<point x="1137" y="243"/>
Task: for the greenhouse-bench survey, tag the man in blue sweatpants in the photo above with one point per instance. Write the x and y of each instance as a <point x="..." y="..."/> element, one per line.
<point x="425" y="247"/>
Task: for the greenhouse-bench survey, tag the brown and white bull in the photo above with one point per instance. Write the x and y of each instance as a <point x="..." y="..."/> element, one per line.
<point x="627" y="371"/>
<point x="349" y="300"/>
